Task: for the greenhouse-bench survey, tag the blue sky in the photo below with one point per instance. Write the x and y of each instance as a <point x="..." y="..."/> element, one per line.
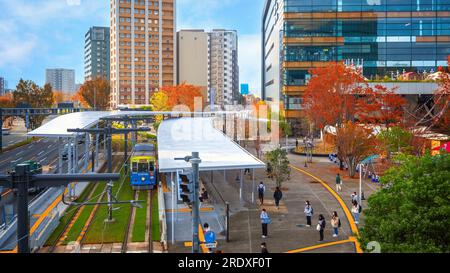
<point x="40" y="34"/>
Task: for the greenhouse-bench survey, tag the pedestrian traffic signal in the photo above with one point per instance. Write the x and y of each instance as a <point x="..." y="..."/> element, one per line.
<point x="186" y="188"/>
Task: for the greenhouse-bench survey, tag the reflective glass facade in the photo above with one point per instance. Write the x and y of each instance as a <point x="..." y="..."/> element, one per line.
<point x="384" y="36"/>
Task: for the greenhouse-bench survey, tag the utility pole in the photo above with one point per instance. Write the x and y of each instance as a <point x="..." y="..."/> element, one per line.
<point x="21" y="179"/>
<point x="195" y="162"/>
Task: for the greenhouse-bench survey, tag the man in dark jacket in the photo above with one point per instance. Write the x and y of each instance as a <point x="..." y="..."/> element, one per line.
<point x="277" y="195"/>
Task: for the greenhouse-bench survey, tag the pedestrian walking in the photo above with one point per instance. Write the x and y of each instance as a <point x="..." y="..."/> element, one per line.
<point x="354" y="197"/>
<point x="261" y="191"/>
<point x="338" y="183"/>
<point x="309" y="211"/>
<point x="264" y="248"/>
<point x="265" y="221"/>
<point x="204" y="195"/>
<point x="277" y="195"/>
<point x="321" y="227"/>
<point x="356" y="210"/>
<point x="336" y="224"/>
<point x="206" y="227"/>
<point x="247" y="171"/>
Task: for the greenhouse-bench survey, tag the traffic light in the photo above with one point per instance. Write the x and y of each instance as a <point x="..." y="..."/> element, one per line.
<point x="185" y="188"/>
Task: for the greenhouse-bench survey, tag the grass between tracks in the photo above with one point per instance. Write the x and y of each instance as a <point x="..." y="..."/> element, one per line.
<point x="156" y="235"/>
<point x="140" y="219"/>
<point x="102" y="232"/>
<point x="84" y="216"/>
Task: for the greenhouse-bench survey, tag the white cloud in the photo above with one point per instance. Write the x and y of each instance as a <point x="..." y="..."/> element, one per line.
<point x="16" y="52"/>
<point x="250" y="61"/>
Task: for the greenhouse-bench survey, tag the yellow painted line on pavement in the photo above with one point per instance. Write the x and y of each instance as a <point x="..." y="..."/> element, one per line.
<point x="320" y="246"/>
<point x="347" y="212"/>
<point x="185" y="210"/>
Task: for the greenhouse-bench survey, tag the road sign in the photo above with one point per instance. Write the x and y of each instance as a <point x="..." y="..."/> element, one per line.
<point x="245" y="89"/>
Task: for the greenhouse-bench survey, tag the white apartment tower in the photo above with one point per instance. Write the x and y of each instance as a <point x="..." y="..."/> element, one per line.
<point x="223" y="78"/>
<point x="142" y="49"/>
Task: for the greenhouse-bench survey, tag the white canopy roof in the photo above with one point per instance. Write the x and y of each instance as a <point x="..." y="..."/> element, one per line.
<point x="83" y="120"/>
<point x="180" y="137"/>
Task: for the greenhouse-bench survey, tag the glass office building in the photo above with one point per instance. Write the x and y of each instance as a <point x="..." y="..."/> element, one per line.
<point x="382" y="36"/>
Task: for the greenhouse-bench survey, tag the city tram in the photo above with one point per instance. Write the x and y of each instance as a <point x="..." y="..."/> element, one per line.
<point x="144" y="169"/>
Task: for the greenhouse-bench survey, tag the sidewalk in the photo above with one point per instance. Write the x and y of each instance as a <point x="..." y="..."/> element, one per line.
<point x="327" y="171"/>
<point x="287" y="231"/>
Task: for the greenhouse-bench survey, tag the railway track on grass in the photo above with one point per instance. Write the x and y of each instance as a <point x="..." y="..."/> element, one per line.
<point x="150" y="221"/>
<point x="129" y="228"/>
<point x="61" y="237"/>
<point x="90" y="220"/>
<point x="132" y="221"/>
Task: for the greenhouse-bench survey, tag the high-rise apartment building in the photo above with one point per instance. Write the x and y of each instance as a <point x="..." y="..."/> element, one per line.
<point x="96" y="53"/>
<point x="142" y="49"/>
<point x="381" y="36"/>
<point x="192" y="58"/>
<point x="61" y="79"/>
<point x="223" y="81"/>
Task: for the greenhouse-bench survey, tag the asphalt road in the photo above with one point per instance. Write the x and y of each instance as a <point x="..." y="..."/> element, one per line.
<point x="45" y="151"/>
<point x="13" y="138"/>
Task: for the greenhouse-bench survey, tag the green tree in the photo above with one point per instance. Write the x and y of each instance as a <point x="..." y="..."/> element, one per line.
<point x="396" y="140"/>
<point x="411" y="212"/>
<point x="28" y="92"/>
<point x="278" y="165"/>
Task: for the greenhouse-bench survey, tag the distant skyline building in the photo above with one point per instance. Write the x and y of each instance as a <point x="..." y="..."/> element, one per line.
<point x="142" y="50"/>
<point x="61" y="79"/>
<point x="245" y="89"/>
<point x="2" y="86"/>
<point x="223" y="79"/>
<point x="97" y="53"/>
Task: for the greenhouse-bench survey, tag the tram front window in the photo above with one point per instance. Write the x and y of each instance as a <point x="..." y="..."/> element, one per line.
<point x="143" y="167"/>
<point x="152" y="166"/>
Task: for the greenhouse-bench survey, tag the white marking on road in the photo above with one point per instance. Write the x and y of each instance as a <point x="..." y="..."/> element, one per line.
<point x="41" y="153"/>
<point x="49" y="146"/>
<point x="19" y="153"/>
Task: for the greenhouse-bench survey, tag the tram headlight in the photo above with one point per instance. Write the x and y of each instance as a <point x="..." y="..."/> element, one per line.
<point x="143" y="179"/>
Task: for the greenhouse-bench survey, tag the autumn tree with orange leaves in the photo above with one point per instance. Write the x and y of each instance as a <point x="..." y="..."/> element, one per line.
<point x="182" y="95"/>
<point x="382" y="106"/>
<point x="6" y="101"/>
<point x="331" y="96"/>
<point x="338" y="95"/>
<point x="95" y="94"/>
<point x="355" y="143"/>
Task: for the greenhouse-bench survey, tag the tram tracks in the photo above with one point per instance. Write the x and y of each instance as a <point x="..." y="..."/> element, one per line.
<point x="128" y="235"/>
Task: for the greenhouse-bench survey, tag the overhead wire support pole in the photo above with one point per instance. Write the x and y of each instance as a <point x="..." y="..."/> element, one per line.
<point x="108" y="131"/>
<point x="22" y="179"/>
